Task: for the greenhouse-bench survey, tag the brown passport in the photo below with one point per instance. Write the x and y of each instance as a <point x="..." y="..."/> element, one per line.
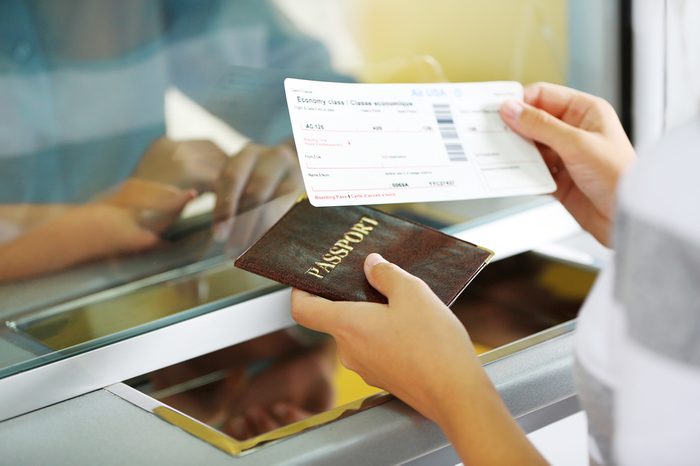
<point x="322" y="250"/>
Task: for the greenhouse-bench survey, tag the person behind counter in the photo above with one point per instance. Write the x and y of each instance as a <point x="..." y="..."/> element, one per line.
<point x="87" y="170"/>
<point x="638" y="337"/>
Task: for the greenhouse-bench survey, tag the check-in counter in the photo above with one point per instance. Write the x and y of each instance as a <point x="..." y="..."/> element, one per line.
<point x="128" y="386"/>
<point x="159" y="354"/>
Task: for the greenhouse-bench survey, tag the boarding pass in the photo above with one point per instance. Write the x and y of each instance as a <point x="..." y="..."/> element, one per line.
<point x="390" y="143"/>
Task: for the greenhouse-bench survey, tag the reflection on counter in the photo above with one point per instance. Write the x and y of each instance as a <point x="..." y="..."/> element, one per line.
<point x="522" y="295"/>
<point x="282" y="383"/>
<point x="260" y="390"/>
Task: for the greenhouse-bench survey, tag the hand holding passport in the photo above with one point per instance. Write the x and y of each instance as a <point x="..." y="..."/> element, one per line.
<point x="322" y="251"/>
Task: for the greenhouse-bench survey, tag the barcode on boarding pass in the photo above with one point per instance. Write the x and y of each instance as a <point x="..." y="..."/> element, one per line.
<point x="448" y="131"/>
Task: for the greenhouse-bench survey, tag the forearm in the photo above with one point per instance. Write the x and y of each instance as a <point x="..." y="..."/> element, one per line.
<point x="37" y="253"/>
<point x="23" y="259"/>
<point x="479" y="426"/>
<point x="52" y="246"/>
<point x="27" y="216"/>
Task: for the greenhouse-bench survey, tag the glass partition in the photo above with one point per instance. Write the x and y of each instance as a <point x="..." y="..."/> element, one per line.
<point x="145" y="144"/>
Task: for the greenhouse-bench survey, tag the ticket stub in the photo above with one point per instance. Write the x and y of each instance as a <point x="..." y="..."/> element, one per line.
<point x="389" y="143"/>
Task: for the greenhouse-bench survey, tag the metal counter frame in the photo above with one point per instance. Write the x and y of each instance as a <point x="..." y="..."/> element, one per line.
<point x="101" y="428"/>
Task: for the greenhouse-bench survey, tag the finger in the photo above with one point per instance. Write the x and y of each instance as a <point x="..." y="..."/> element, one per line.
<point x="205" y="151"/>
<point x="387" y="278"/>
<point x="322" y="393"/>
<point x="158" y="220"/>
<point x="143" y="241"/>
<point x="552" y="98"/>
<point x="287" y="413"/>
<point x="574" y="107"/>
<point x="267" y="174"/>
<point x="260" y="420"/>
<point x="541" y="126"/>
<point x="292" y="182"/>
<point x="144" y="194"/>
<point x="314" y="312"/>
<point x="565" y="186"/>
<point x="203" y="160"/>
<point x="229" y="188"/>
<point x="551" y="158"/>
<point x="238" y="428"/>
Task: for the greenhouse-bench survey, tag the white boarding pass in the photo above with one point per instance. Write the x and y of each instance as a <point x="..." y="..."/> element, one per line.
<point x="388" y="143"/>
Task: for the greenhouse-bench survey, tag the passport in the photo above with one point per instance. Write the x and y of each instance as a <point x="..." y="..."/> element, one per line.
<point x="322" y="250"/>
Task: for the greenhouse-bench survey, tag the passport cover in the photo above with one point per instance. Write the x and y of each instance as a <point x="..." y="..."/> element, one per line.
<point x="322" y="250"/>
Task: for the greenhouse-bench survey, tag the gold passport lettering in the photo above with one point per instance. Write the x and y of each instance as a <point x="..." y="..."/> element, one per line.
<point x="342" y="247"/>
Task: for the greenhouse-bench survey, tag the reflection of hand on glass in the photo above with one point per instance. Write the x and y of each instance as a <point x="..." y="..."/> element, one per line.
<point x="127" y="221"/>
<point x="288" y="391"/>
<point x="210" y="402"/>
<point x="252" y="387"/>
<point x="194" y="164"/>
<point x="131" y="218"/>
<point x="256" y="175"/>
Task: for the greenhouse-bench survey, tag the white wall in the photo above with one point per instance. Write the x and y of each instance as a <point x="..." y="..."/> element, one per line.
<point x="666" y="66"/>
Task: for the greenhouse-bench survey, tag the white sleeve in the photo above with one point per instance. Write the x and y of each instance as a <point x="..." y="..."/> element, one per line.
<point x="657" y="283"/>
<point x="657" y="396"/>
<point x="657" y="409"/>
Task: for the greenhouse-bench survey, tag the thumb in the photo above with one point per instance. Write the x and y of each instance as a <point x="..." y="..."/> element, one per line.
<point x="143" y="240"/>
<point x="539" y="125"/>
<point x="387" y="278"/>
<point x="159" y="219"/>
<point x="176" y="201"/>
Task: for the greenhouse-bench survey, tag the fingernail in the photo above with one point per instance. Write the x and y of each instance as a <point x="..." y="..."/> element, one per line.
<point x="373" y="259"/>
<point x="222" y="231"/>
<point x="512" y="109"/>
